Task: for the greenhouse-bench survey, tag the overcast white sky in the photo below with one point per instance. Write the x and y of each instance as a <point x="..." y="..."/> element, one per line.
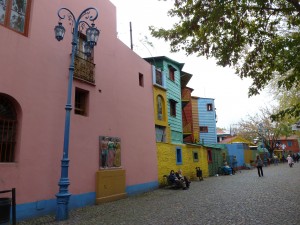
<point x="209" y="80"/>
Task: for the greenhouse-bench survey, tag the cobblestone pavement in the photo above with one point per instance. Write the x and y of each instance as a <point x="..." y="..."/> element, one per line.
<point x="241" y="199"/>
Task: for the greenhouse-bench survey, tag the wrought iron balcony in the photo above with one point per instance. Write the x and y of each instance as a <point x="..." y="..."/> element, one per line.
<point x="84" y="68"/>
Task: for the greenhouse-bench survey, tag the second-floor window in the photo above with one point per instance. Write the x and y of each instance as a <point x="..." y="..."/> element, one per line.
<point x="160" y="106"/>
<point x="172" y="108"/>
<point x="171" y="73"/>
<point x="203" y="129"/>
<point x="158" y="76"/>
<point x="14" y="14"/>
<point x="209" y="107"/>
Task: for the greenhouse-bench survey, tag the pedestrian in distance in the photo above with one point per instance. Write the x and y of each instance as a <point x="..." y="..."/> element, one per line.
<point x="290" y="161"/>
<point x="259" y="165"/>
<point x="275" y="160"/>
<point x="283" y="158"/>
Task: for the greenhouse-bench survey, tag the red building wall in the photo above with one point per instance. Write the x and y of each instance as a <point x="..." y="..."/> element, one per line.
<point x="187" y="116"/>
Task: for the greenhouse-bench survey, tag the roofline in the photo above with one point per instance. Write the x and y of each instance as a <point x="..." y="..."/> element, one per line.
<point x="167" y="59"/>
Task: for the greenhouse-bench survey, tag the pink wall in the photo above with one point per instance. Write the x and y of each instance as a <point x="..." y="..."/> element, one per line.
<point x="34" y="71"/>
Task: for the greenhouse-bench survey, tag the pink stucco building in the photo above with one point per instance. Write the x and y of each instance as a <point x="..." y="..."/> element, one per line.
<point x="115" y="101"/>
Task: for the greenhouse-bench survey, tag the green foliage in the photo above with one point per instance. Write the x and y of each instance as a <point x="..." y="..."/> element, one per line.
<point x="260" y="39"/>
<point x="289" y="102"/>
<point x="261" y="128"/>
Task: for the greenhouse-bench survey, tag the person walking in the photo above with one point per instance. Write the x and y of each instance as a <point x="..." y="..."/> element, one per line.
<point x="259" y="165"/>
<point x="290" y="161"/>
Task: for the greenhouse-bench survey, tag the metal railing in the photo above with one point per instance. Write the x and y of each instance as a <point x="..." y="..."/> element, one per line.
<point x="13" y="205"/>
<point x="84" y="68"/>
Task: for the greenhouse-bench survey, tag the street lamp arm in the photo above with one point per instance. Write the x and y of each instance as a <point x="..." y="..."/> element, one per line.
<point x="87" y="15"/>
<point x="90" y="14"/>
<point x="73" y="22"/>
<point x="82" y="25"/>
<point x="70" y="15"/>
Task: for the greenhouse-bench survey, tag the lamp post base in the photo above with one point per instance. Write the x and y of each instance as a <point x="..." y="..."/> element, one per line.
<point x="62" y="211"/>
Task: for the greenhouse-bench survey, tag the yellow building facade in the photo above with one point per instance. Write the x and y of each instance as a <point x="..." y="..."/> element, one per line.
<point x="192" y="156"/>
<point x="168" y="154"/>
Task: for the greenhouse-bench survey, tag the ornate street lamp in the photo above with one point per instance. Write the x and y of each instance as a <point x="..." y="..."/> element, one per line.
<point x="92" y="34"/>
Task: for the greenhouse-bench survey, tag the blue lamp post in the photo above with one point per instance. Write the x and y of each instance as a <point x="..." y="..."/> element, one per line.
<point x="92" y="34"/>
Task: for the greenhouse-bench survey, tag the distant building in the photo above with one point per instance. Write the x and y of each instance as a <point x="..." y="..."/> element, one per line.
<point x="222" y="135"/>
<point x="288" y="145"/>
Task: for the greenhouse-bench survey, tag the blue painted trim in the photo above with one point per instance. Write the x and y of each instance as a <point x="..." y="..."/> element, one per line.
<point x="178" y="156"/>
<point x="47" y="207"/>
<point x="141" y="188"/>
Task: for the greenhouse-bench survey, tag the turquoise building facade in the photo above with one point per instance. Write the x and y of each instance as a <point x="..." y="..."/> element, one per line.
<point x="171" y="72"/>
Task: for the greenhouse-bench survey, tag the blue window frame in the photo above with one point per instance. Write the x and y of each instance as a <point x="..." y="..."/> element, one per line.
<point x="195" y="156"/>
<point x="290" y="143"/>
<point x="178" y="156"/>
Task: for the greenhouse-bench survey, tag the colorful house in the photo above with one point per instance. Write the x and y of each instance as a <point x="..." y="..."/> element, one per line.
<point x="169" y="85"/>
<point x="222" y="134"/>
<point x="187" y="109"/>
<point x="239" y="147"/>
<point x="207" y="121"/>
<point x="111" y="120"/>
<point x="195" y="119"/>
<point x="289" y="145"/>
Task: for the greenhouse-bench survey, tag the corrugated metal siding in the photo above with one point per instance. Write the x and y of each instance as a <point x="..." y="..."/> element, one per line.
<point x="217" y="161"/>
<point x="196" y="123"/>
<point x="187" y="116"/>
<point x="237" y="149"/>
<point x="176" y="137"/>
<point x="174" y="92"/>
<point x="208" y="119"/>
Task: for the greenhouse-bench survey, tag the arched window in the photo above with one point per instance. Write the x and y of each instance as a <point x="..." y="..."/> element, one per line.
<point x="160" y="107"/>
<point x="8" y="127"/>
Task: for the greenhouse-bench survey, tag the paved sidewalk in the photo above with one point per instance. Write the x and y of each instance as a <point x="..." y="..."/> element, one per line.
<point x="243" y="199"/>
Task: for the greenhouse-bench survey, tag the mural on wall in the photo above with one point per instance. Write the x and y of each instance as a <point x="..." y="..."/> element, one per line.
<point x="110" y="152"/>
